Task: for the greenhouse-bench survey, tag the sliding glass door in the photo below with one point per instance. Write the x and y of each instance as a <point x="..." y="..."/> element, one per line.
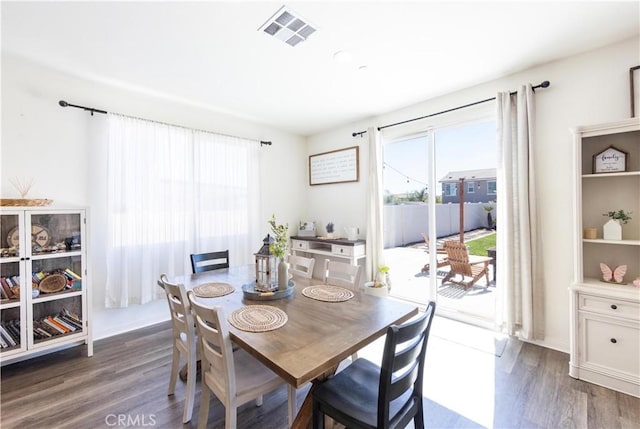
<point x="440" y="186"/>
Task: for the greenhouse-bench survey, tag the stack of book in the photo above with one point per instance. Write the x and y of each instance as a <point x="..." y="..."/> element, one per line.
<point x="9" y="334"/>
<point x="64" y="322"/>
<point x="6" y="284"/>
<point x="74" y="281"/>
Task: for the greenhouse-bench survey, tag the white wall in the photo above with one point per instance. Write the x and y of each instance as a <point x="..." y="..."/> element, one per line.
<point x="589" y="88"/>
<point x="61" y="150"/>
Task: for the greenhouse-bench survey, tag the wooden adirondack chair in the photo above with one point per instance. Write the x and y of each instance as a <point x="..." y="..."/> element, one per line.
<point x="441" y="256"/>
<point x="460" y="263"/>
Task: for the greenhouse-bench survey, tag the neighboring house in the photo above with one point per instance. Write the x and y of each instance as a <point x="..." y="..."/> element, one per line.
<point x="479" y="186"/>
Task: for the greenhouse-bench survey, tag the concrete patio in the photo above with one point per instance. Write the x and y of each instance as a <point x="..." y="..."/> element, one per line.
<point x="410" y="283"/>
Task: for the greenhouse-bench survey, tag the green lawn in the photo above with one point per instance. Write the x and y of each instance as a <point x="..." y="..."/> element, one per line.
<point x="480" y="245"/>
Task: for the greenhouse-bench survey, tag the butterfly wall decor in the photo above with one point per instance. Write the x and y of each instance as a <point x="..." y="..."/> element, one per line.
<point x="613" y="276"/>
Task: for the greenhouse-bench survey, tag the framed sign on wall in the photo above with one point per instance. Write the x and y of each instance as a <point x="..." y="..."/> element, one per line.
<point x="336" y="166"/>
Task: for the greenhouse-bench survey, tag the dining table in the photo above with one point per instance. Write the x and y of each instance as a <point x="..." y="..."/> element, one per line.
<point x="317" y="335"/>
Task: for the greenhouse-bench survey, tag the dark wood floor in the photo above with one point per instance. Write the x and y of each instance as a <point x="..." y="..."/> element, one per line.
<point x="126" y="379"/>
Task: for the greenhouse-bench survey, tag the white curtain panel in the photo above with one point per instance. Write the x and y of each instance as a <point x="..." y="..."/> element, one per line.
<point x="173" y="191"/>
<point x="375" y="237"/>
<point x="519" y="258"/>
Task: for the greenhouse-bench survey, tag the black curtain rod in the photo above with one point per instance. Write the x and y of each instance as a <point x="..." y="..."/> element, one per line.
<point x="544" y="84"/>
<point x="63" y="103"/>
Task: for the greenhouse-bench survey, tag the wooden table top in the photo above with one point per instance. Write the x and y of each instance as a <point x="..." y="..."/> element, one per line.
<point x="318" y="334"/>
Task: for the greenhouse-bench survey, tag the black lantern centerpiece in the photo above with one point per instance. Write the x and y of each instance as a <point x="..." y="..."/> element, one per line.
<point x="266" y="267"/>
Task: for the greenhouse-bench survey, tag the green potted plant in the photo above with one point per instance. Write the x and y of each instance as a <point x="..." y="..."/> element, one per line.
<point x="279" y="249"/>
<point x="619" y="215"/>
<point x="612" y="230"/>
<point x="490" y="222"/>
<point x="380" y="285"/>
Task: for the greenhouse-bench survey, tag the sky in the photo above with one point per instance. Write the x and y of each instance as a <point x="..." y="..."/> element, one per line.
<point x="466" y="147"/>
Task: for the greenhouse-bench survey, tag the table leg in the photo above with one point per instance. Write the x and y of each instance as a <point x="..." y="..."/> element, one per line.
<point x="304" y="418"/>
<point x="305" y="414"/>
<point x="291" y="399"/>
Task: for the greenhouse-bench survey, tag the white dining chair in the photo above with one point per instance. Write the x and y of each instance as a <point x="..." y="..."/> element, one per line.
<point x="342" y="274"/>
<point x="234" y="377"/>
<point x="184" y="341"/>
<point x="301" y="266"/>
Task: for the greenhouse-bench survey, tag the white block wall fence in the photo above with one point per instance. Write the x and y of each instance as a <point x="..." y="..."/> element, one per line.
<point x="404" y="223"/>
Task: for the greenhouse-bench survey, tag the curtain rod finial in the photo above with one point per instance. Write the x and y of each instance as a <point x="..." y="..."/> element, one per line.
<point x="262" y="143"/>
<point x="63" y="103"/>
<point x="545" y="84"/>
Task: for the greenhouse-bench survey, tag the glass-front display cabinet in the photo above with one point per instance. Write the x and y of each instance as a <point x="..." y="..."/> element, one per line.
<point x="43" y="280"/>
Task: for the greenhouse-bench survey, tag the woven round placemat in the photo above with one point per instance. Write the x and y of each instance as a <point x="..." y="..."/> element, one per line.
<point x="212" y="290"/>
<point x="258" y="318"/>
<point x="327" y="293"/>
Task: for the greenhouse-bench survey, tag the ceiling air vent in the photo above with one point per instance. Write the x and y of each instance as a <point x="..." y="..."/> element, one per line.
<point x="287" y="26"/>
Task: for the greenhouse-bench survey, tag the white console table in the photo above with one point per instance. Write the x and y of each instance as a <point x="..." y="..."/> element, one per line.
<point x="352" y="250"/>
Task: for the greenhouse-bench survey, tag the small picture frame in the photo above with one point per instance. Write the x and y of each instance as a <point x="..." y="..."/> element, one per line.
<point x="307" y="229"/>
<point x="610" y="160"/>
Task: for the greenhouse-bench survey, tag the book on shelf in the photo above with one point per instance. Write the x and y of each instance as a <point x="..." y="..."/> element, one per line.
<point x="54" y="329"/>
<point x="13" y="327"/>
<point x="49" y="329"/>
<point x="59" y="325"/>
<point x="64" y="323"/>
<point x="71" y="274"/>
<point x="37" y="277"/>
<point x="41" y="333"/>
<point x="4" y="333"/>
<point x="3" y="342"/>
<point x="73" y="316"/>
<point x="77" y="325"/>
<point x="5" y="292"/>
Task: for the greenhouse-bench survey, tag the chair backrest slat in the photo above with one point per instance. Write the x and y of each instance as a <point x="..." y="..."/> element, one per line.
<point x="201" y="262"/>
<point x="458" y="257"/>
<point x="301" y="266"/>
<point x="216" y="347"/>
<point x="403" y="361"/>
<point x="180" y="309"/>
<point x="404" y="382"/>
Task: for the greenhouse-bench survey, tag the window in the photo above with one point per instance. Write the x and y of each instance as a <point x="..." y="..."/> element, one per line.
<point x="450" y="189"/>
<point x="491" y="187"/>
<point x="173" y="191"/>
<point x="471" y="187"/>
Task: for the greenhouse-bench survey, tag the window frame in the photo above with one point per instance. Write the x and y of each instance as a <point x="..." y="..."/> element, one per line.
<point x="495" y="187"/>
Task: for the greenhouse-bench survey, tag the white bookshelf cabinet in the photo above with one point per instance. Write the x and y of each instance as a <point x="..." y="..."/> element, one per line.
<point x="605" y="317"/>
<point x="38" y="242"/>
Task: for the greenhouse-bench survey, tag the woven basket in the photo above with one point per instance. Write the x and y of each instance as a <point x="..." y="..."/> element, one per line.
<point x="53" y="283"/>
<point x="24" y="202"/>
